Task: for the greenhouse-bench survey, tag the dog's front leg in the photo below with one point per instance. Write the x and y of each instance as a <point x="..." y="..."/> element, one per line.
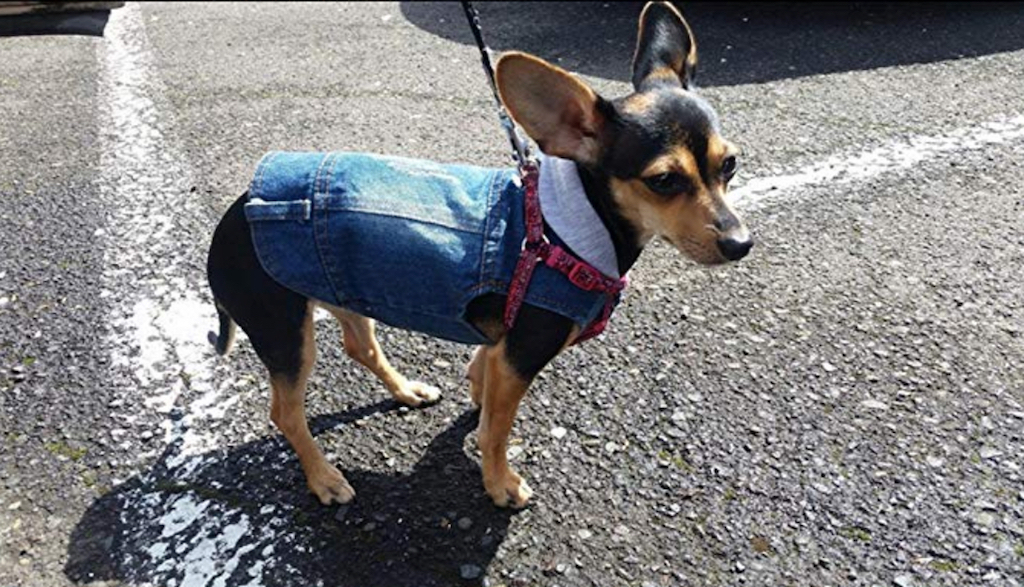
<point x="475" y="375"/>
<point x="503" y="389"/>
<point x="506" y="370"/>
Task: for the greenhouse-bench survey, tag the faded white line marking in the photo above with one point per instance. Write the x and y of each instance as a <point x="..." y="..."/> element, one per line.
<point x="162" y="365"/>
<point x="897" y="155"/>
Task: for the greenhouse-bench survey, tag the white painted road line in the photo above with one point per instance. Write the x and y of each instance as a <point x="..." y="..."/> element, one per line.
<point x="158" y="333"/>
<point x="842" y="169"/>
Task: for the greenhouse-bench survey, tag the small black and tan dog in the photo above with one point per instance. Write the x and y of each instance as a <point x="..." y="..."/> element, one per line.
<point x="652" y="163"/>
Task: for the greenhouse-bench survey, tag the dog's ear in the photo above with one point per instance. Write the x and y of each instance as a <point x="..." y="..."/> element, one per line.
<point x="666" y="52"/>
<point x="556" y="109"/>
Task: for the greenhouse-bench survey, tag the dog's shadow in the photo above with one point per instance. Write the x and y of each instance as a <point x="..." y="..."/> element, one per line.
<point x="245" y="514"/>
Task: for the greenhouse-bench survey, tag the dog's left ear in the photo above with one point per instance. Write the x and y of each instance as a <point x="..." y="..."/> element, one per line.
<point x="666" y="52"/>
<point x="556" y="109"/>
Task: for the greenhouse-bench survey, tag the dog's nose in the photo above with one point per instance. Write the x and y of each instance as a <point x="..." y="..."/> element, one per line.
<point x="735" y="249"/>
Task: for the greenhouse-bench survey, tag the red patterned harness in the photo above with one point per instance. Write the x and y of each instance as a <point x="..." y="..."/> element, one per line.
<point x="536" y="248"/>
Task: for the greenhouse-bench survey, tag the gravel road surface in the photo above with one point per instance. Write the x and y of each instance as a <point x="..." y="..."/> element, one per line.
<point x="843" y="407"/>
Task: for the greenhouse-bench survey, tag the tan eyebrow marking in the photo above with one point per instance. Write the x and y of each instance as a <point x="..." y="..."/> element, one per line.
<point x="679" y="160"/>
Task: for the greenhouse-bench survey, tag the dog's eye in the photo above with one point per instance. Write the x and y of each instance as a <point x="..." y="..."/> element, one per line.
<point x="729" y="167"/>
<point x="668" y="184"/>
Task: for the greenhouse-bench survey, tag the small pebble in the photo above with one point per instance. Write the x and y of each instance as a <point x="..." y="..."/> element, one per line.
<point x="584" y="534"/>
<point x="990" y="453"/>
<point x="558" y="432"/>
<point x="903" y="580"/>
<point x="340" y="514"/>
<point x="469" y="571"/>
<point x="874" y="404"/>
<point x="985" y="519"/>
<point x="465" y="523"/>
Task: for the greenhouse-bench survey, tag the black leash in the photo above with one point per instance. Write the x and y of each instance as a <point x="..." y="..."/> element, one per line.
<point x="520" y="149"/>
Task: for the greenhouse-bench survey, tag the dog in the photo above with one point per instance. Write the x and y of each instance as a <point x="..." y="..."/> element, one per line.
<point x="422" y="246"/>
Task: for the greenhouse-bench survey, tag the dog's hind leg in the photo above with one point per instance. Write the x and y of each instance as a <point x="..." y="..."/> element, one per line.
<point x="288" y="411"/>
<point x="361" y="344"/>
<point x="279" y="323"/>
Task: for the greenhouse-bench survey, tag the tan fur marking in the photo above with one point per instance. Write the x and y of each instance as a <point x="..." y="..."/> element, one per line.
<point x="671" y="73"/>
<point x="503" y="390"/>
<point x="678" y="160"/>
<point x="717" y="149"/>
<point x="685" y="221"/>
<point x="638" y="103"/>
<point x="288" y="411"/>
<point x="361" y="344"/>
<point x="475" y="375"/>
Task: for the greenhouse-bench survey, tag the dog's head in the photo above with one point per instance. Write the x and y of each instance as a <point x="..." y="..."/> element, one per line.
<point x="665" y="161"/>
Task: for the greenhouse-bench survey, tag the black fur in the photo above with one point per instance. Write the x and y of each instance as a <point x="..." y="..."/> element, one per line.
<point x="271" y="315"/>
<point x="225" y="332"/>
<point x="664" y="41"/>
<point x="624" y="234"/>
<point x="535" y="338"/>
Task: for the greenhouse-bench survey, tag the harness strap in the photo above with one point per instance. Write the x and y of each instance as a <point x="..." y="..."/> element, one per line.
<point x="537" y="249"/>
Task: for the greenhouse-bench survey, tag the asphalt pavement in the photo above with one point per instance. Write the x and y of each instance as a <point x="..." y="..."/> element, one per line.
<point x="843" y="407"/>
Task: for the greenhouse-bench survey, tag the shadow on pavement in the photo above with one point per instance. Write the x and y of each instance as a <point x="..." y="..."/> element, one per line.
<point x="740" y="43"/>
<point x="399" y="531"/>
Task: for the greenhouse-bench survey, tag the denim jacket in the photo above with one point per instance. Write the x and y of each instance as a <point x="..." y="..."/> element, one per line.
<point x="407" y="242"/>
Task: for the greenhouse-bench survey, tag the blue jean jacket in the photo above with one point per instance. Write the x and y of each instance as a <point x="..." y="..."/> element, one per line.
<point x="407" y="242"/>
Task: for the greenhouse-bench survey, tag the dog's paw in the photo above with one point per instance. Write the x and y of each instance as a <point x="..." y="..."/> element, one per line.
<point x="508" y="490"/>
<point x="417" y="394"/>
<point x="329" y="485"/>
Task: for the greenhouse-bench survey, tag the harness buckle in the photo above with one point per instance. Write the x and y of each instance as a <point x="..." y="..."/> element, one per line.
<point x="584" y="277"/>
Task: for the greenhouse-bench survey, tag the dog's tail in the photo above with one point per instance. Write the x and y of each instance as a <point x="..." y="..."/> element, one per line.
<point x="226" y="337"/>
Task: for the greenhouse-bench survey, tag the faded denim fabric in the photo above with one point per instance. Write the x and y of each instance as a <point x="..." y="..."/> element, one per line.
<point x="407" y="242"/>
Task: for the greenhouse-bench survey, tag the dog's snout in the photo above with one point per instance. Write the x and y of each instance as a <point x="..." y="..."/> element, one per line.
<point x="734" y="248"/>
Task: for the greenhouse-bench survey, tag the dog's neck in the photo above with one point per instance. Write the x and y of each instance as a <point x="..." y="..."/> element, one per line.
<point x="625" y="237"/>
